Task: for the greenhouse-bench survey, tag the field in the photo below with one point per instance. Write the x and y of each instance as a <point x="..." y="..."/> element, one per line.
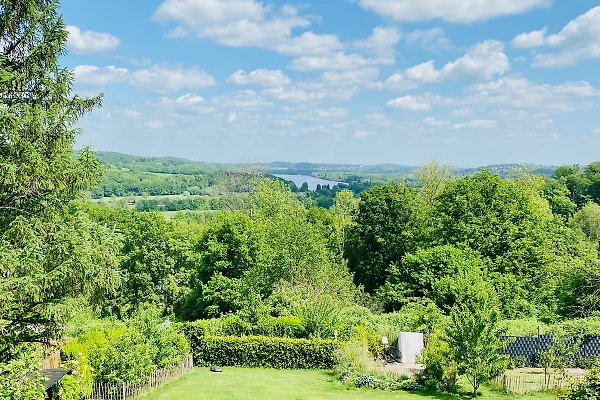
<point x="264" y="384"/>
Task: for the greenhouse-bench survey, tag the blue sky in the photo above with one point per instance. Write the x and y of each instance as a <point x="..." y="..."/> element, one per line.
<point x="470" y="82"/>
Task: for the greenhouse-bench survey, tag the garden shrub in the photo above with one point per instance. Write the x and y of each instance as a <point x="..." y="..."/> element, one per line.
<point x="288" y="326"/>
<point x="129" y="358"/>
<point x="441" y="371"/>
<point x="128" y="353"/>
<point x="353" y="357"/>
<point x="68" y="388"/>
<point x="588" y="389"/>
<point x="572" y="327"/>
<point x="234" y="325"/>
<point x="13" y="385"/>
<point x="77" y="360"/>
<point x="368" y="381"/>
<point x="385" y="382"/>
<point x="517" y="362"/>
<point x="268" y="352"/>
<point x="193" y="330"/>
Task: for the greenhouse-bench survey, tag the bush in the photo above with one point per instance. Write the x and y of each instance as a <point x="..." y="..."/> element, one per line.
<point x="267" y="352"/>
<point x="441" y="371"/>
<point x="517" y="362"/>
<point x="288" y="326"/>
<point x="353" y="357"/>
<point x="129" y="358"/>
<point x="127" y="353"/>
<point x="76" y="360"/>
<point x="385" y="383"/>
<point x="68" y="388"/>
<point x="193" y="330"/>
<point x="368" y="381"/>
<point x="235" y="325"/>
<point x="589" y="389"/>
<point x="571" y="327"/>
<point x="20" y="378"/>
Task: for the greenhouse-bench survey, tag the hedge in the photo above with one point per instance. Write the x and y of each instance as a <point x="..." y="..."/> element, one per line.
<point x="265" y="352"/>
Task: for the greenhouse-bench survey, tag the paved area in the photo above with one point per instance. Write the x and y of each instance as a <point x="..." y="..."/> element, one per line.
<point x="402" y="369"/>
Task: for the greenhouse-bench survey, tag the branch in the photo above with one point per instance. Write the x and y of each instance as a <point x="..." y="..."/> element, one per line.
<point x="15" y="209"/>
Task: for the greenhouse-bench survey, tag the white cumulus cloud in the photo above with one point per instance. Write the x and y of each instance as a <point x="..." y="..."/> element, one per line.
<point x="578" y="41"/>
<point x="530" y="39"/>
<point x="463" y="11"/>
<point x="520" y="93"/>
<point x="189" y="99"/>
<point x="244" y="23"/>
<point x="89" y="41"/>
<point x="481" y="62"/>
<point x="93" y="76"/>
<point x="261" y="77"/>
<point x="170" y="78"/>
<point x="409" y="103"/>
<point x="430" y="39"/>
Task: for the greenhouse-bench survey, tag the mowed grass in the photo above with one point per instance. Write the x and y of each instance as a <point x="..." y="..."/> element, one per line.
<point x="268" y="384"/>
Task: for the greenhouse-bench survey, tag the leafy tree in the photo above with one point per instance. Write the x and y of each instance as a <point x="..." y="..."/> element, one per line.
<point x="46" y="254"/>
<point x="580" y="291"/>
<point x="432" y="178"/>
<point x="37" y="166"/>
<point x="588" y="220"/>
<point x="592" y="174"/>
<point x="495" y="218"/>
<point x="558" y="195"/>
<point x="576" y="183"/>
<point x="428" y="272"/>
<point x="383" y="232"/>
<point x="474" y="334"/>
<point x="44" y="260"/>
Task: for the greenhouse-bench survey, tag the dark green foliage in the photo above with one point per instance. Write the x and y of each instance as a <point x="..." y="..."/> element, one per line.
<point x="492" y="217"/>
<point x="428" y="273"/>
<point x="265" y="352"/>
<point x="129" y="183"/>
<point x="37" y="166"/>
<point x="193" y="330"/>
<point x="558" y="196"/>
<point x="44" y="260"/>
<point x="383" y="233"/>
<point x="47" y="252"/>
<point x="583" y="184"/>
<point x="473" y="334"/>
<point x="156" y="259"/>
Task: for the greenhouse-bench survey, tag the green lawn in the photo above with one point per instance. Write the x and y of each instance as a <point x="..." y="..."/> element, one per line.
<point x="266" y="384"/>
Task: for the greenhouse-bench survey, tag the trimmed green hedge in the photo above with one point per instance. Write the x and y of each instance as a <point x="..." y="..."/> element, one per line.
<point x="266" y="352"/>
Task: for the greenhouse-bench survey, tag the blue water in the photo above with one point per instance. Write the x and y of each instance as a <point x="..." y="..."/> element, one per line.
<point x="310" y="180"/>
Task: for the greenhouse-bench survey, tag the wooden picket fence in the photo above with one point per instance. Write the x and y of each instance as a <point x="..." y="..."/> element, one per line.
<point x="128" y="390"/>
<point x="529" y="383"/>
